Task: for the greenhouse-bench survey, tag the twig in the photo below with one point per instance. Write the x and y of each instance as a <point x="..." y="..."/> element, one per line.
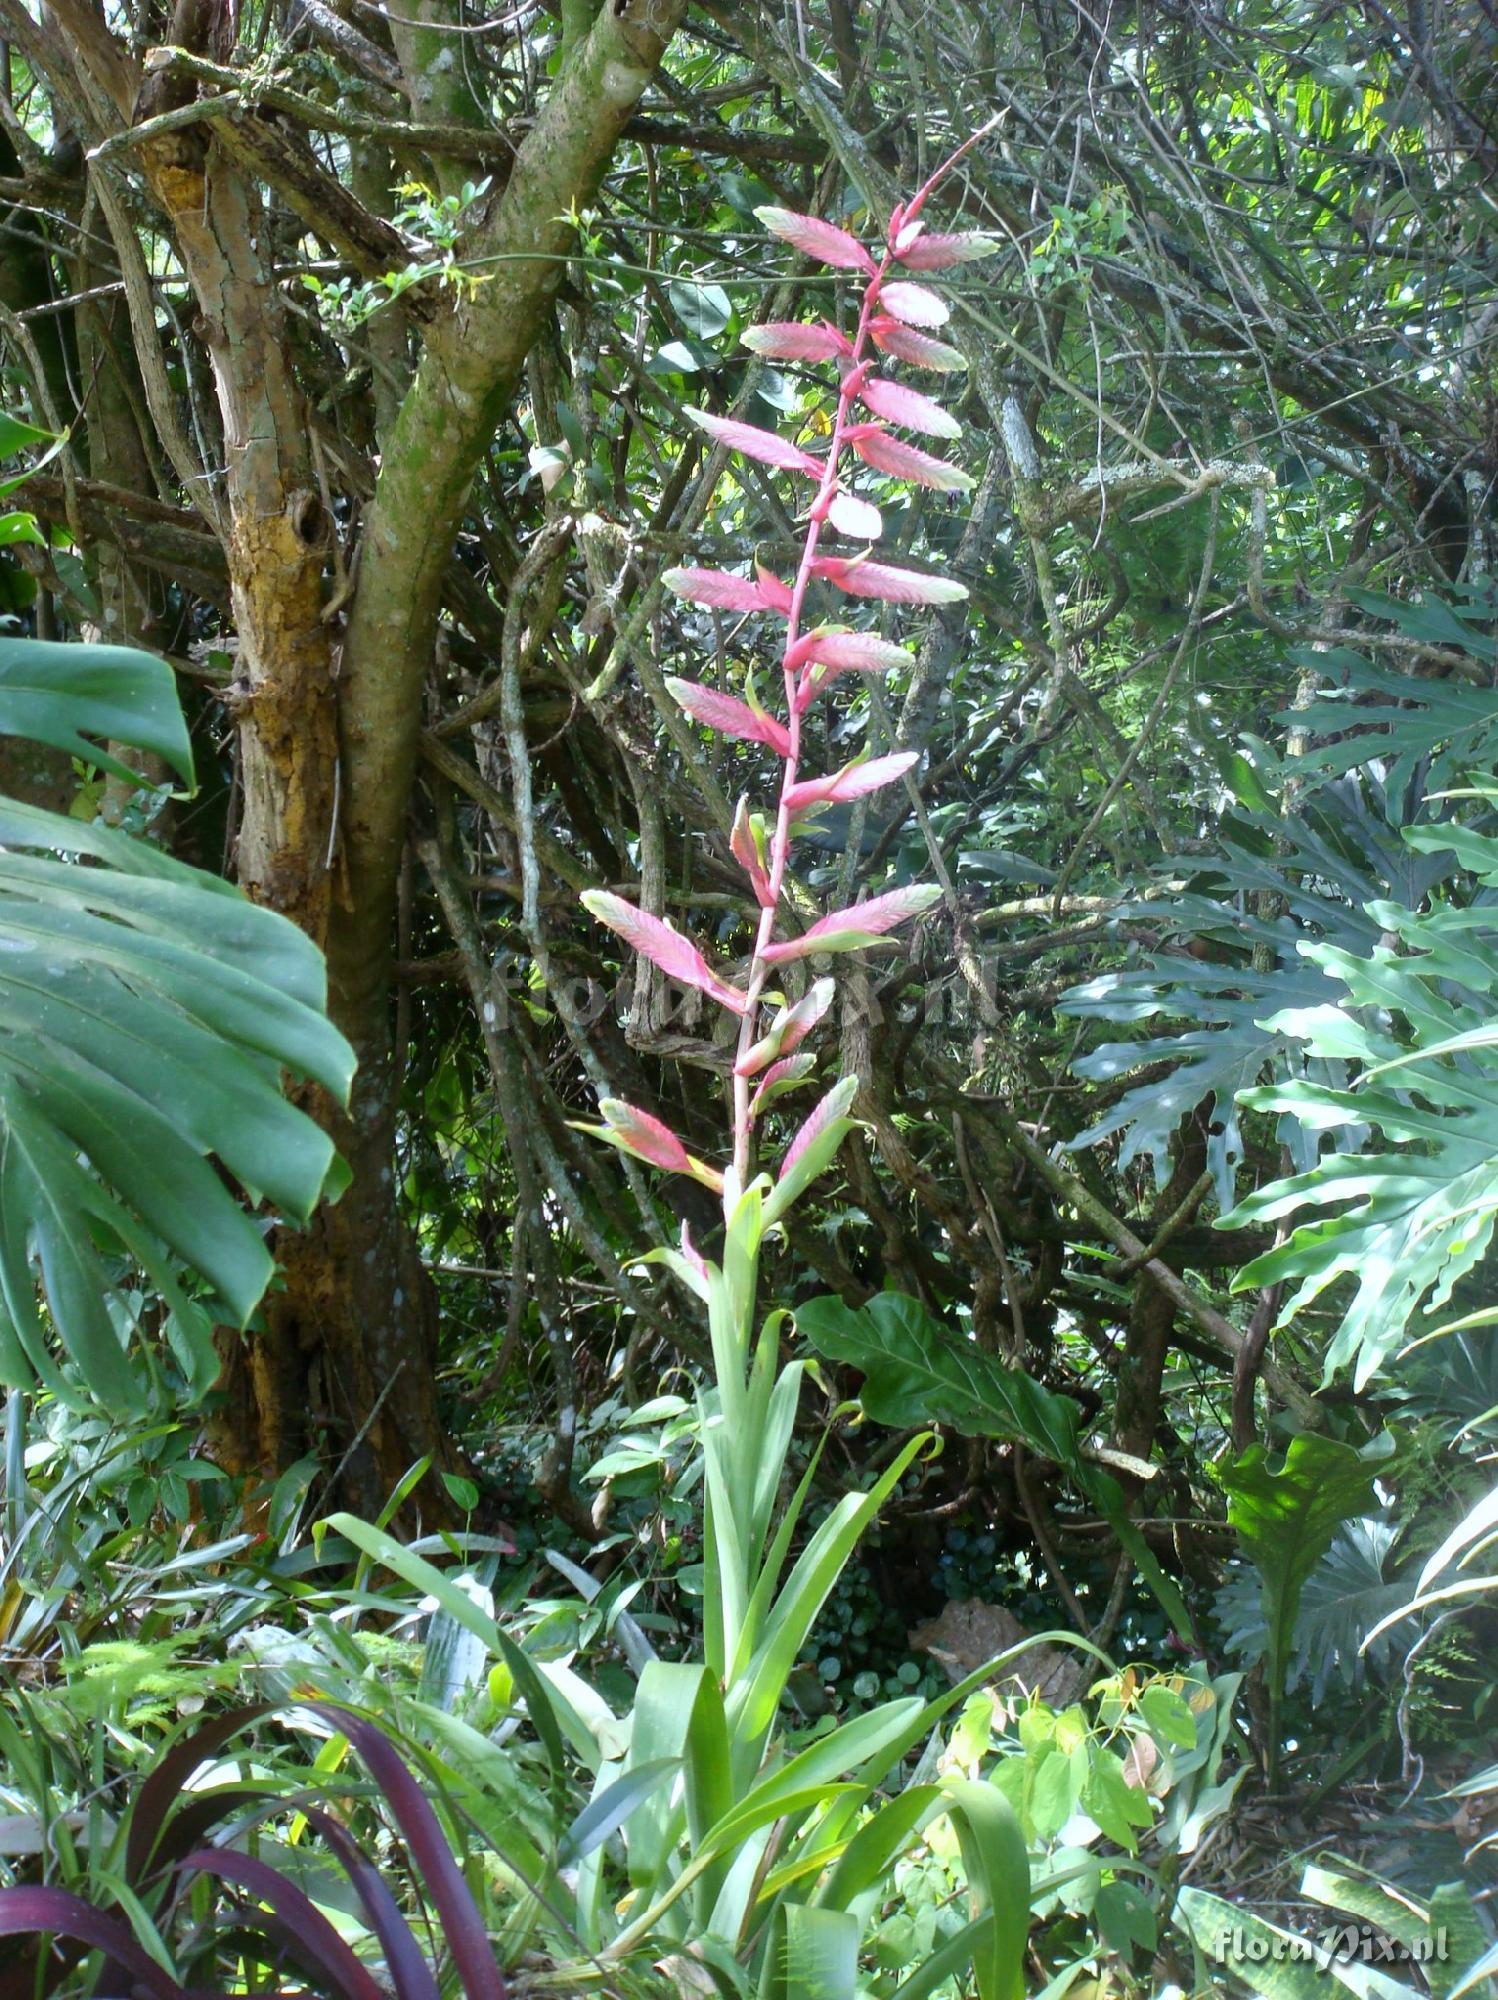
<point x="1219" y="1330"/>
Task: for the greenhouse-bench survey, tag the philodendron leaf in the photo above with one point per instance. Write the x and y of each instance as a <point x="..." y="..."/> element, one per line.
<point x="1285" y="1520"/>
<point x="916" y="1371"/>
<point x="1415" y="1217"/>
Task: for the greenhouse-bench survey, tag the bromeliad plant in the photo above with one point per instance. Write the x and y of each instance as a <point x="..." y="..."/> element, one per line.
<point x="768" y="1865"/>
<point x="218" y="1893"/>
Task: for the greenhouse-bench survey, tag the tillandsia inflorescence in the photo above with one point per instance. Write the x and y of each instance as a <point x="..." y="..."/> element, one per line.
<point x="893" y="321"/>
<point x="700" y="1860"/>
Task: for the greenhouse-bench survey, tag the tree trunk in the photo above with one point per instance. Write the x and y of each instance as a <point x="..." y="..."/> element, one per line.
<point x="343" y="1360"/>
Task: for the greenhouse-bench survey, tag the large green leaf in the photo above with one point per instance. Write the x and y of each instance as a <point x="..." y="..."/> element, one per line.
<point x="1222" y="995"/>
<point x="1363" y="712"/>
<point x="147" y="1013"/>
<point x="1285" y="1520"/>
<point x="1411" y="1221"/>
<point x="917" y="1372"/>
<point x="1347" y="1595"/>
<point x="55" y="693"/>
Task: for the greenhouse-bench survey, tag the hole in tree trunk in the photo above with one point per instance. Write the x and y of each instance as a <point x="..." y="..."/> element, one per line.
<point x="308" y="518"/>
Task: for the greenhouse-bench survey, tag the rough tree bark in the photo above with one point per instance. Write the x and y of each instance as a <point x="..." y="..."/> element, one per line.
<point x="328" y="734"/>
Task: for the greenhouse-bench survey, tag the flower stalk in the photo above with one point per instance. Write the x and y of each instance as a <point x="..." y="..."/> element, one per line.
<point x="753" y="1621"/>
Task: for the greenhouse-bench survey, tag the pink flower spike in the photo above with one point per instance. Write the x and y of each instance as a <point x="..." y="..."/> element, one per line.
<point x="796" y="340"/>
<point x="729" y="716"/>
<point x="909" y="408"/>
<point x="766" y="446"/>
<point x="914" y="305"/>
<point x="829" y="1116"/>
<point x="903" y="461"/>
<point x="645" y="1136"/>
<point x="716" y="589"/>
<point x="853" y="516"/>
<point x="776" y="594"/>
<point x="908" y="233"/>
<point x="692" y="1254"/>
<point x="797" y="655"/>
<point x="854" y="928"/>
<point x="919" y="349"/>
<point x="806" y="1013"/>
<point x="655" y="939"/>
<point x="788" y="1030"/>
<point x="892" y="586"/>
<point x="853" y="781"/>
<point x="940" y="253"/>
<point x="815" y="238"/>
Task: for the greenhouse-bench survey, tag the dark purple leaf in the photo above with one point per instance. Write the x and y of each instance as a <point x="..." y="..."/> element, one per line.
<point x="30" y="1911"/>
<point x="414" y="1978"/>
<point x="462" y="1924"/>
<point x="165" y="1785"/>
<point x="305" y="1929"/>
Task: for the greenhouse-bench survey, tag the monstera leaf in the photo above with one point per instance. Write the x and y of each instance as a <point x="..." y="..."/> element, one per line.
<point x="1221" y="992"/>
<point x="147" y="1012"/>
<point x="1418" y="1022"/>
